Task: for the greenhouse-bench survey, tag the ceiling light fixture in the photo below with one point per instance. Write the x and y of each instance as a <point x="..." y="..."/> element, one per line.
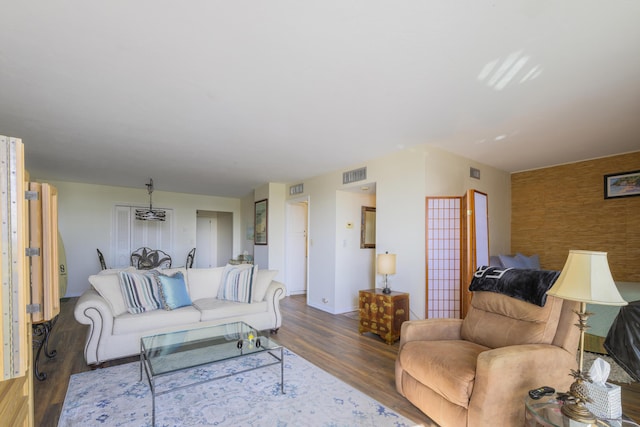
<point x="150" y="214"/>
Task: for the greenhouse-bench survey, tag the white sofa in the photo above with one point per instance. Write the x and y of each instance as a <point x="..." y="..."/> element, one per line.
<point x="115" y="332"/>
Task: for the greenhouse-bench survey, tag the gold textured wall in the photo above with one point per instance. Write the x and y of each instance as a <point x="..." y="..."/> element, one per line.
<point x="560" y="208"/>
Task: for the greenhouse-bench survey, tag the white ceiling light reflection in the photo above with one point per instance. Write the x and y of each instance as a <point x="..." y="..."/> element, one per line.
<point x="498" y="73"/>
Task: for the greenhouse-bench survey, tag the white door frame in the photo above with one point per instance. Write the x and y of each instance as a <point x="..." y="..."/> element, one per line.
<point x="304" y="199"/>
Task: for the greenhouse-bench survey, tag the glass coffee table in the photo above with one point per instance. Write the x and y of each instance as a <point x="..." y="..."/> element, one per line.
<point x="165" y="354"/>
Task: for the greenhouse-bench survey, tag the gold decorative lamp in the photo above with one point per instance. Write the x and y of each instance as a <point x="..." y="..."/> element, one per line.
<point x="585" y="278"/>
<point x="386" y="266"/>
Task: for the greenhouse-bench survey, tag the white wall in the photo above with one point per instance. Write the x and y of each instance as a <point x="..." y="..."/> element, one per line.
<point x="400" y="218"/>
<point x="246" y="223"/>
<point x="403" y="180"/>
<point x="322" y="237"/>
<point x="85" y="219"/>
<point x="271" y="256"/>
<point x="448" y="175"/>
<point x="354" y="266"/>
<point x="225" y="238"/>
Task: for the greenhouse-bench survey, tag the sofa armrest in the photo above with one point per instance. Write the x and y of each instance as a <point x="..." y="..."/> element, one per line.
<point x="275" y="292"/>
<point x="517" y="368"/>
<point x="430" y="330"/>
<point x="93" y="310"/>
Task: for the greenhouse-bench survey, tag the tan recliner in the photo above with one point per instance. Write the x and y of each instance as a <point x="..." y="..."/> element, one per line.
<point x="476" y="372"/>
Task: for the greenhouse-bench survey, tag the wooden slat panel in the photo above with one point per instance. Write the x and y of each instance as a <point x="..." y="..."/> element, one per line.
<point x="16" y="386"/>
<point x="51" y="292"/>
<point x="43" y="219"/>
<point x="14" y="405"/>
<point x="35" y="241"/>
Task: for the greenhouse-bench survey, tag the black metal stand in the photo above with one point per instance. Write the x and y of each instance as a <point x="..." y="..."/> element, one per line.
<point x="41" y="333"/>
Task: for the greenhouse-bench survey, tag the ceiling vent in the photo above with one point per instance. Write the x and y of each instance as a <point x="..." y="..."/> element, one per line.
<point x="296" y="189"/>
<point x="354" y="175"/>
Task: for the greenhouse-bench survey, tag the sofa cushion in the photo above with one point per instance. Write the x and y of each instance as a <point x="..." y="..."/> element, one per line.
<point x="237" y="282"/>
<point x="108" y="286"/>
<point x="153" y="320"/>
<point x="263" y="280"/>
<point x="140" y="291"/>
<point x="173" y="291"/>
<point x="203" y="282"/>
<point x="213" y="308"/>
<point x="495" y="320"/>
<point x="446" y="367"/>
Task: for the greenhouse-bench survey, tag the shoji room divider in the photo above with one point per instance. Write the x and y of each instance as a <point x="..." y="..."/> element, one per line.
<point x="457" y="243"/>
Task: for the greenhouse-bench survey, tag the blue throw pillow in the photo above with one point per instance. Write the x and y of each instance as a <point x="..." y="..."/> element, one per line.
<point x="173" y="290"/>
<point x="512" y="262"/>
<point x="532" y="262"/>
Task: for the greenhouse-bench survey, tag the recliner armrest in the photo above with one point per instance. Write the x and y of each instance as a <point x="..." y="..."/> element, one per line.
<point x="516" y="368"/>
<point x="430" y="330"/>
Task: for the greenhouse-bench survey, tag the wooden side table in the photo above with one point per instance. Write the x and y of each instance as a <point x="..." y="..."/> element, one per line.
<point x="383" y="314"/>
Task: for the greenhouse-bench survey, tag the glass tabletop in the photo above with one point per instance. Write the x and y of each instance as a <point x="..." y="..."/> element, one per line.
<point x="176" y="351"/>
<point x="546" y="412"/>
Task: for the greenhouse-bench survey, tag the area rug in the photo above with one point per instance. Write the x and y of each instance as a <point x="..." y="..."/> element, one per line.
<point x="115" y="397"/>
<point x="616" y="375"/>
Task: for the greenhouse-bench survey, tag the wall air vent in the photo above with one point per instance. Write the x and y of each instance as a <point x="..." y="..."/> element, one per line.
<point x="354" y="175"/>
<point x="296" y="189"/>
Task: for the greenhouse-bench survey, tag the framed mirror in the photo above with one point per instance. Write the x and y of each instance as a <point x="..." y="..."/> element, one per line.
<point x="368" y="228"/>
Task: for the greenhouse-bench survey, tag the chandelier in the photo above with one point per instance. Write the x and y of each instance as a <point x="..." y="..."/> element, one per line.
<point x="150" y="214"/>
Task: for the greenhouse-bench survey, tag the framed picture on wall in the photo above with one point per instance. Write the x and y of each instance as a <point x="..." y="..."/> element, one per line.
<point x="623" y="184"/>
<point x="261" y="224"/>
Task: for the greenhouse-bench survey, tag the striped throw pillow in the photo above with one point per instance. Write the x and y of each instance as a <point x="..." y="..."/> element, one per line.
<point x="140" y="292"/>
<point x="237" y="282"/>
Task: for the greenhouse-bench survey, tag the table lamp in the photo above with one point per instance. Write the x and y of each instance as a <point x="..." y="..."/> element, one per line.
<point x="585" y="278"/>
<point x="386" y="266"/>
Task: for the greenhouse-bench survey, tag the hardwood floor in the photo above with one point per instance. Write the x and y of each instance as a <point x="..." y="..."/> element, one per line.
<point x="331" y="342"/>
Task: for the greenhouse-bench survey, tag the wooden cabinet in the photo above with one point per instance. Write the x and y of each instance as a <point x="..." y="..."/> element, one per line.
<point x="383" y="314"/>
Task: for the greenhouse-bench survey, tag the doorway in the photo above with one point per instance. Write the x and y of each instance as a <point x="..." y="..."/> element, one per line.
<point x="214" y="238"/>
<point x="297" y="247"/>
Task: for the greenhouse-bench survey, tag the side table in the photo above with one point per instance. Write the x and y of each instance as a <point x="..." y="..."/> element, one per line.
<point x="545" y="412"/>
<point x="383" y="314"/>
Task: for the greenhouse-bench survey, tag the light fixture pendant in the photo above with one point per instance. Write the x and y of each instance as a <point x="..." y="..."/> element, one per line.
<point x="150" y="214"/>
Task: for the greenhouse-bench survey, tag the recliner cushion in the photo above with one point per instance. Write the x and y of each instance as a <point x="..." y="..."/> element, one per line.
<point x="446" y="367"/>
<point x="495" y="320"/>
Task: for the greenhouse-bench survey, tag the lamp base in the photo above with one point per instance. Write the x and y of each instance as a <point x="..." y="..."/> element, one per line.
<point x="578" y="412"/>
<point x="386" y="290"/>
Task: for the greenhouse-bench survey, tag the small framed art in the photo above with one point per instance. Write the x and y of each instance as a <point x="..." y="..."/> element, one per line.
<point x="623" y="184"/>
<point x="261" y="224"/>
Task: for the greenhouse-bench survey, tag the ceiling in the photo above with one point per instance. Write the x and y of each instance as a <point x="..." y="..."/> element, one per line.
<point x="219" y="97"/>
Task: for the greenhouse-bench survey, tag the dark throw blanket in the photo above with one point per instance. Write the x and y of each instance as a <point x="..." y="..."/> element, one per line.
<point x="526" y="285"/>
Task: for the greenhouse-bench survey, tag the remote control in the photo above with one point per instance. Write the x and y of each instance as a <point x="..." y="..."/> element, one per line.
<point x="537" y="393"/>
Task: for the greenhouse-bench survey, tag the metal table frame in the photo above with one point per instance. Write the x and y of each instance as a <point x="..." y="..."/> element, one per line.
<point x="145" y="364"/>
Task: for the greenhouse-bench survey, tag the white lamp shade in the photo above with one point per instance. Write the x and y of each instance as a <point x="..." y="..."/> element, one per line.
<point x="586" y="278"/>
<point x="386" y="263"/>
